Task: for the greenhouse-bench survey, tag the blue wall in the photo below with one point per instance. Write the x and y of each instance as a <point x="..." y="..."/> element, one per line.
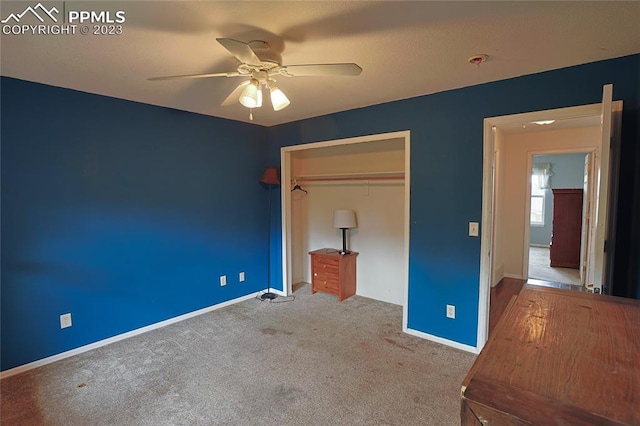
<point x="125" y="214"/>
<point x="446" y="173"/>
<point x="121" y="213"/>
<point x="568" y="172"/>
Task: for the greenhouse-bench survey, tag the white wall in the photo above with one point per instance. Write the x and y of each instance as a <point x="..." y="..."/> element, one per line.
<point x="518" y="147"/>
<point x="379" y="207"/>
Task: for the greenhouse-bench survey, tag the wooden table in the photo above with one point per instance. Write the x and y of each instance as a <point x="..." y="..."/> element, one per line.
<point x="558" y="357"/>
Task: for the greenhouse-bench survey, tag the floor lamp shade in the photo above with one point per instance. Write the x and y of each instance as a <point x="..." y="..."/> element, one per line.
<point x="270" y="178"/>
<point x="344" y="219"/>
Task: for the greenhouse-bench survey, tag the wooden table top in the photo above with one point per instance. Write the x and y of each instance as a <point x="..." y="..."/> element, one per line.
<point x="561" y="357"/>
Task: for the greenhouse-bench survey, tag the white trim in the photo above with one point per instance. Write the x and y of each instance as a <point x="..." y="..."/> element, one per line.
<point x="486" y="240"/>
<point x="407" y="223"/>
<point x="44" y="361"/>
<point x="539" y="245"/>
<point x="557" y="114"/>
<point x="346" y="141"/>
<point x="514" y="276"/>
<point x="441" y="340"/>
<point x="285" y="209"/>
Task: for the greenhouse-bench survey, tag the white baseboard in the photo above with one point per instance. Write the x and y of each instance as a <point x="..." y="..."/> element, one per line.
<point x="498" y="275"/>
<point x="39" y="363"/>
<point x="441" y="340"/>
<point x="514" y="276"/>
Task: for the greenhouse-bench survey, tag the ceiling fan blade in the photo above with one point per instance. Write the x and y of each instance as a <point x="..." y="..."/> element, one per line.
<point x="175" y="77"/>
<point x="235" y="95"/>
<point x="240" y="50"/>
<point x="320" y="69"/>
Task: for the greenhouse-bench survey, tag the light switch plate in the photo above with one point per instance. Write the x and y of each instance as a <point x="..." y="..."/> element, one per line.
<point x="473" y="229"/>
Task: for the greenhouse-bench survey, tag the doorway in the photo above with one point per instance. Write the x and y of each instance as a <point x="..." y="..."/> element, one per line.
<point x="559" y="213"/>
<point x="493" y="194"/>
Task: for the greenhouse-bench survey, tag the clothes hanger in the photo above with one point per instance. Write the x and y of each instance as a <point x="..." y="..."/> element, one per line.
<point x="297" y="187"/>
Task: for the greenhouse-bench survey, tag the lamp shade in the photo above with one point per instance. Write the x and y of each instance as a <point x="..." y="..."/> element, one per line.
<point x="270" y="176"/>
<point x="259" y="100"/>
<point x="344" y="219"/>
<point x="278" y="99"/>
<point x="249" y="96"/>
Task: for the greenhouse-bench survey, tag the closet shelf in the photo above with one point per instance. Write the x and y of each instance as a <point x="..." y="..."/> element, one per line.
<point x="350" y="176"/>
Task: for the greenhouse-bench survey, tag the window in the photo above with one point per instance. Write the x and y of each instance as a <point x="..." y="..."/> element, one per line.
<point x="537" y="210"/>
<point x="539" y="180"/>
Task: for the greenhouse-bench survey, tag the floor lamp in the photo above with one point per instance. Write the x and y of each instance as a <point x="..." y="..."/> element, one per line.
<point x="269" y="178"/>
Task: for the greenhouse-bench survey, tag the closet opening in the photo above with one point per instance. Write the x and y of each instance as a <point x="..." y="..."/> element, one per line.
<point x="369" y="175"/>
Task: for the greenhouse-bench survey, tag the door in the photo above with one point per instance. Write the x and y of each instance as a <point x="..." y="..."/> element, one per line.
<point x="602" y="193"/>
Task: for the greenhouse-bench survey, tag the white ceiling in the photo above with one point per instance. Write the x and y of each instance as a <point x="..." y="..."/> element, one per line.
<point x="406" y="49"/>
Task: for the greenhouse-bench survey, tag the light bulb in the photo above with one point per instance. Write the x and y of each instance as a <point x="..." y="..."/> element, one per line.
<point x="278" y="99"/>
<point x="249" y="96"/>
<point x="259" y="102"/>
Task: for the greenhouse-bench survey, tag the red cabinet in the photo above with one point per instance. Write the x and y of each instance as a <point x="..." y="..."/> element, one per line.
<point x="567" y="226"/>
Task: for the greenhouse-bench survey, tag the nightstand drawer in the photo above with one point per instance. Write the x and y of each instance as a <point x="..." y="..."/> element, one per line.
<point x="326" y="266"/>
<point x="327" y="281"/>
<point x="330" y="274"/>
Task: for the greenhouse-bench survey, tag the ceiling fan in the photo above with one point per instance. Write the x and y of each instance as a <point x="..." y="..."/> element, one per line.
<point x="260" y="64"/>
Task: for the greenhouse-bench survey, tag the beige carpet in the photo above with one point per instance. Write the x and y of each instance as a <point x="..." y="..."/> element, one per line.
<point x="311" y="361"/>
<point x="539" y="268"/>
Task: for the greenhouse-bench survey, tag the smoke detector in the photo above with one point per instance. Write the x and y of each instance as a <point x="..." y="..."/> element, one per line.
<point x="478" y="59"/>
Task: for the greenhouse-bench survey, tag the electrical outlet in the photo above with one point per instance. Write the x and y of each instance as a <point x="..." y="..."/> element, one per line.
<point x="241" y="277"/>
<point x="65" y="320"/>
<point x="223" y="280"/>
<point x="473" y="229"/>
<point x="451" y="311"/>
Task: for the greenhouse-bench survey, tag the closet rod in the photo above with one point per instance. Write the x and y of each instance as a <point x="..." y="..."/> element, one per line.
<point x="328" y="178"/>
<point x="361" y="176"/>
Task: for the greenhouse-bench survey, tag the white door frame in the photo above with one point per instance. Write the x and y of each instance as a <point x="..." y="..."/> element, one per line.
<point x="488" y="185"/>
<point x="286" y="178"/>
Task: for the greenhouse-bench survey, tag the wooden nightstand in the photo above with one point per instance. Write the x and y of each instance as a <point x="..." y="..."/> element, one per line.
<point x="333" y="273"/>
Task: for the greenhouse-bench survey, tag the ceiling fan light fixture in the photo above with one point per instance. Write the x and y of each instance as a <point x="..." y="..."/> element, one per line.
<point x="278" y="99"/>
<point x="251" y="95"/>
<point x="258" y="62"/>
